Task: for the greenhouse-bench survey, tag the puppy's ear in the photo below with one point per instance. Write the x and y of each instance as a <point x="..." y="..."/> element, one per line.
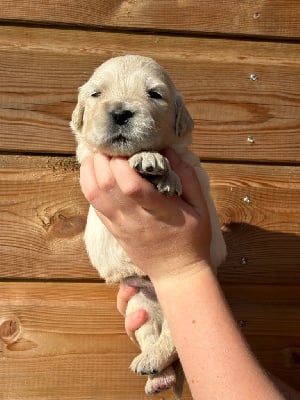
<point x="77" y="115"/>
<point x="184" y="122"/>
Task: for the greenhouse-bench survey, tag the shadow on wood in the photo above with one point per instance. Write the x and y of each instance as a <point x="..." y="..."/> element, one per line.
<point x="248" y="260"/>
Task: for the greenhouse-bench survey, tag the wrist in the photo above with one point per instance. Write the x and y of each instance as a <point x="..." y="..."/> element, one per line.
<point x="181" y="277"/>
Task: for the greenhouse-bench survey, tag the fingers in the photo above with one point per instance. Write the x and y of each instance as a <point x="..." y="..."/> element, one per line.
<point x="130" y="182"/>
<point x="133" y="186"/>
<point x="88" y="180"/>
<point x="124" y="295"/>
<point x="134" y="321"/>
<point x="110" y="183"/>
<point x="96" y="180"/>
<point x="105" y="180"/>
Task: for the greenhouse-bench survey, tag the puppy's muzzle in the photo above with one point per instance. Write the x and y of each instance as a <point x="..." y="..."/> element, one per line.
<point x="121" y="117"/>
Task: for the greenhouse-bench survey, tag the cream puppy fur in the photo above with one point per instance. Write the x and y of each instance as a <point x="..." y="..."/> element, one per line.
<point x="130" y="107"/>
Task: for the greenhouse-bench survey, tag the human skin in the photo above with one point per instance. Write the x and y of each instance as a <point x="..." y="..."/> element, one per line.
<point x="215" y="357"/>
<point x="136" y="319"/>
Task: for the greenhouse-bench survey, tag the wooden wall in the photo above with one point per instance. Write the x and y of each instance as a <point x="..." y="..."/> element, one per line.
<point x="238" y="66"/>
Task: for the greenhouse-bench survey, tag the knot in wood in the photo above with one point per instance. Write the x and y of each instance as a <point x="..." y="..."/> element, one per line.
<point x="10" y="329"/>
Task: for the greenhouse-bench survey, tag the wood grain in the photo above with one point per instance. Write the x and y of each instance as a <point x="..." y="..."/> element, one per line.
<point x="259" y="209"/>
<point x="70" y="345"/>
<point x="41" y="69"/>
<point x="230" y="17"/>
<point x="43" y="216"/>
<point x="68" y="339"/>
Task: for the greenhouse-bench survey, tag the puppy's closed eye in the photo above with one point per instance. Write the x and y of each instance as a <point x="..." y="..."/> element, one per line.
<point x="154" y="94"/>
<point x="96" y="93"/>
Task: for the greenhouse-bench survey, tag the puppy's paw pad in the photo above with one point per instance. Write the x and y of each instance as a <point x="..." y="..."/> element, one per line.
<point x="160" y="382"/>
<point x="149" y="163"/>
<point x="144" y="364"/>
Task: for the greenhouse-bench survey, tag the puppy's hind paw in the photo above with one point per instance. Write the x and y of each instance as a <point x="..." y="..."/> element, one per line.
<point x="145" y="364"/>
<point x="162" y="381"/>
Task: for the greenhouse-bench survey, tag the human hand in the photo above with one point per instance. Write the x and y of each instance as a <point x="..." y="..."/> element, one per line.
<point x="164" y="236"/>
<point x="134" y="320"/>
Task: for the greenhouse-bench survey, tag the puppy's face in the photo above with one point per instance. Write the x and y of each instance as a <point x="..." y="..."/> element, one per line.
<point x="129" y="105"/>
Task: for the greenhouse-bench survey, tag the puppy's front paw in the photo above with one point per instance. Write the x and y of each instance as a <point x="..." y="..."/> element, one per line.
<point x="149" y="163"/>
<point x="156" y="168"/>
<point x="169" y="184"/>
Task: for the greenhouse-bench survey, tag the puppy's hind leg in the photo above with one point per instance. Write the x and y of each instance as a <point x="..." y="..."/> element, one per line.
<point x="149" y="337"/>
<point x="161" y="381"/>
<point x="163" y="350"/>
<point x="158" y="351"/>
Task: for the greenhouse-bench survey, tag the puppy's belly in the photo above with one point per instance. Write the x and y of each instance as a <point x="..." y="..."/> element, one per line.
<point x="105" y="253"/>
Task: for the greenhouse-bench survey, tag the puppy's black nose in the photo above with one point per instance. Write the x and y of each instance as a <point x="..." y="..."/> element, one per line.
<point x="120" y="116"/>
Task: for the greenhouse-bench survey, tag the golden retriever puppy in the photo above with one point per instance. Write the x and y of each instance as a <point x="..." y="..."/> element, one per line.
<point x="130" y="107"/>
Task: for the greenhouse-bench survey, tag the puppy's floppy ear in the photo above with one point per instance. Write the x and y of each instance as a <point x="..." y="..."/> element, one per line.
<point x="77" y="115"/>
<point x="184" y="122"/>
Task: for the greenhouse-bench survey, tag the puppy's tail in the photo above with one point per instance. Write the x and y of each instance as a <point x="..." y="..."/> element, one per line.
<point x="180" y="378"/>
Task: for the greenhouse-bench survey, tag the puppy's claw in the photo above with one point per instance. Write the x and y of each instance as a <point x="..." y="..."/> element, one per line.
<point x="152" y="372"/>
<point x="145" y="364"/>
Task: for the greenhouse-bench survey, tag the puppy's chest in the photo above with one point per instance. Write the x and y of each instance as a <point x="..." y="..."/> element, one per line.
<point x="105" y="253"/>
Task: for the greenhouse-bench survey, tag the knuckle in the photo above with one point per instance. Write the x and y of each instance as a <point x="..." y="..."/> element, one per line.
<point x="89" y="189"/>
<point x="92" y="194"/>
<point x="106" y="183"/>
<point x="94" y="190"/>
<point x="132" y="189"/>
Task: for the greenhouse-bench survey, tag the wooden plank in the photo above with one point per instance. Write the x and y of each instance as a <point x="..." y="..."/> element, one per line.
<point x="67" y="339"/>
<point x="43" y="217"/>
<point x="278" y="355"/>
<point x="258" y="293"/>
<point x="259" y="210"/>
<point x="41" y="69"/>
<point x="278" y="18"/>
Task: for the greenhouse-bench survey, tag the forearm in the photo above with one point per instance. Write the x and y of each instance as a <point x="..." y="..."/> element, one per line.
<point x="215" y="357"/>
